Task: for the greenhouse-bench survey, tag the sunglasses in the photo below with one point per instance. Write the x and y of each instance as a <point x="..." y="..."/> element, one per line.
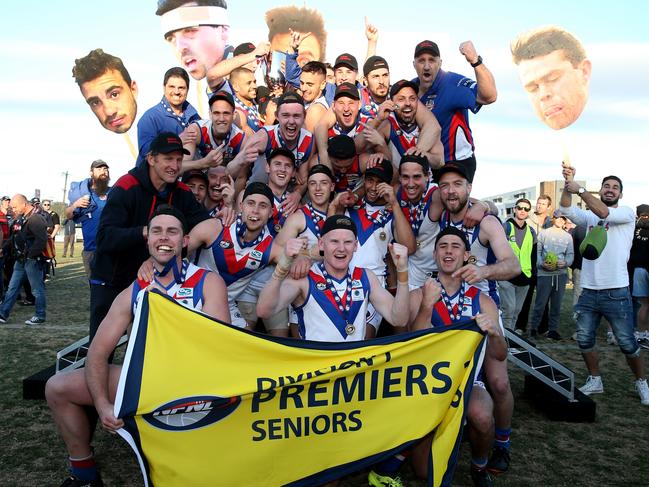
<point x="523" y="208"/>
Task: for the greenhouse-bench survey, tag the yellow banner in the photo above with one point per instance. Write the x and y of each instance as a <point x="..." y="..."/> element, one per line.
<point x="209" y="404"/>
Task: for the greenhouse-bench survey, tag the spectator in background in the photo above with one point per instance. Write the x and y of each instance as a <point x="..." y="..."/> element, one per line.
<point x="52" y="230"/>
<point x="172" y="114"/>
<point x="553" y="256"/>
<point x="522" y="239"/>
<point x="4" y="239"/>
<point x="540" y="219"/>
<point x="69" y="236"/>
<point x="578" y="233"/>
<point x="605" y="279"/>
<point x="639" y="266"/>
<point x="87" y="199"/>
<point x="28" y="241"/>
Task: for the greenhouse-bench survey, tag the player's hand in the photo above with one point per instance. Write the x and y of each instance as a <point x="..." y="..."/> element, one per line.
<point x="227" y="192"/>
<point x="344" y="200"/>
<point x="291" y="203"/>
<point x="474" y="215"/>
<point x="374" y="160"/>
<point x="300" y="267"/>
<point x="387" y="192"/>
<point x="190" y="135"/>
<point x="108" y="420"/>
<point x="431" y="291"/>
<point x="467" y="49"/>
<point x="371" y="136"/>
<point x="227" y="215"/>
<point x="399" y="255"/>
<point x="385" y="108"/>
<point x="416" y="151"/>
<point x="371" y="31"/>
<point x="213" y="158"/>
<point x="146" y="272"/>
<point x="297" y="38"/>
<point x="572" y="187"/>
<point x="262" y="49"/>
<point x="470" y="273"/>
<point x="486" y="324"/>
<point x="294" y="246"/>
<point x="249" y="155"/>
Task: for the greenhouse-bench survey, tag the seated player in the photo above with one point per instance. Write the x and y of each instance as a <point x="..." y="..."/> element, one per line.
<point x="68" y="393"/>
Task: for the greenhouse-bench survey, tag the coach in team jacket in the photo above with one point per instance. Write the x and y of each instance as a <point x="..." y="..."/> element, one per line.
<point x="122" y="234"/>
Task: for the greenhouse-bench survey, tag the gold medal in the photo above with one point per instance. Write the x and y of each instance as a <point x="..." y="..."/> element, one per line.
<point x="383" y="236"/>
<point x="472" y="259"/>
<point x="350" y="329"/>
<point x="418" y="243"/>
<point x="278" y="227"/>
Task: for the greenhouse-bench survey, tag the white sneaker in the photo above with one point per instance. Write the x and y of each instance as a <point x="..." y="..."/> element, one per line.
<point x="594" y="385"/>
<point x="610" y="338"/>
<point x="643" y="391"/>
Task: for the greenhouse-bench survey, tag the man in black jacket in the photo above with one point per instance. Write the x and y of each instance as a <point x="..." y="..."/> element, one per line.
<point x="122" y="233"/>
<point x="29" y="237"/>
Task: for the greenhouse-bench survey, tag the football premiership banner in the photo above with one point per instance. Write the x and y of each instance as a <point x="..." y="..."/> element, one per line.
<point x="205" y="403"/>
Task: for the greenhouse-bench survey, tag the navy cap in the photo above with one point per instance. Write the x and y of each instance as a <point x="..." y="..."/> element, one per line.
<point x="347" y="89"/>
<point x="374" y="62"/>
<point x="221" y="95"/>
<point x="338" y="222"/>
<point x="244" y="48"/>
<point x="383" y="171"/>
<point x="167" y="142"/>
<point x="426" y="47"/>
<point x="400" y="85"/>
<point x="348" y="60"/>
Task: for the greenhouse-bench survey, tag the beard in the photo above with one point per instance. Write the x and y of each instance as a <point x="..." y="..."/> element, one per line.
<point x="611" y="202"/>
<point x="100" y="185"/>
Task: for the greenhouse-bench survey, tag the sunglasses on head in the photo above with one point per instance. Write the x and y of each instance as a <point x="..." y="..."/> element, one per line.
<point x="523" y="208"/>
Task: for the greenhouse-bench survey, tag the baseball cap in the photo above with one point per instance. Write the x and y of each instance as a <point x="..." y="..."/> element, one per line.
<point x="5" y="198"/>
<point x="374" y="62"/>
<point x="35" y="201"/>
<point x="98" y="163"/>
<point x="427" y="47"/>
<point x="341" y="147"/>
<point x="415" y="159"/>
<point x="347" y="89"/>
<point x="221" y="95"/>
<point x="321" y="169"/>
<point x="400" y="85"/>
<point x="259" y="188"/>
<point x="281" y="151"/>
<point x="383" y="171"/>
<point x="451" y="230"/>
<point x="167" y="142"/>
<point x="336" y="222"/>
<point x="348" y="60"/>
<point x="244" y="48"/>
<point x="289" y="97"/>
<point x="451" y="167"/>
<point x="640" y="209"/>
<point x="195" y="173"/>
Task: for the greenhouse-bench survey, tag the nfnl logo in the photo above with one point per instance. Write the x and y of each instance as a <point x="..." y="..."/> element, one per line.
<point x="192" y="412"/>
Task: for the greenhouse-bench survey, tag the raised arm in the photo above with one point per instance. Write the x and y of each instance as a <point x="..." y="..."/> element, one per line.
<point x="423" y="300"/>
<point x="487" y="92"/>
<point x="372" y="35"/>
<point x="222" y="69"/>
<point x="281" y="291"/>
<point x="394" y="309"/>
<point x="402" y="229"/>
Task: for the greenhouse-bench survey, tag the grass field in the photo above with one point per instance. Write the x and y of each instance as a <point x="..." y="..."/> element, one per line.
<point x="613" y="451"/>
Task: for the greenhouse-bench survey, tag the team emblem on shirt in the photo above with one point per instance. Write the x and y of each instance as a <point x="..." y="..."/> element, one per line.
<point x="321" y="286"/>
<point x="225" y="244"/>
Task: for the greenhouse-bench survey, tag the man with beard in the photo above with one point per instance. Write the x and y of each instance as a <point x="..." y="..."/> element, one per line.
<point x="375" y="92"/>
<point x="107" y="87"/>
<point x="87" y="199"/>
<point x="172" y="114"/>
<point x="244" y="86"/>
<point x="69" y="393"/>
<point x="219" y="140"/>
<point x="196" y="180"/>
<point x="379" y="222"/>
<point x="220" y="190"/>
<point x="407" y="129"/>
<point x="331" y="301"/>
<point x="450" y="96"/>
<point x="604" y="278"/>
<point x="288" y="134"/>
<point x="312" y="83"/>
<point x="492" y="259"/>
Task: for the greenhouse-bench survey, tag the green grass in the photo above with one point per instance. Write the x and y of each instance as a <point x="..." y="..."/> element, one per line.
<point x="610" y="452"/>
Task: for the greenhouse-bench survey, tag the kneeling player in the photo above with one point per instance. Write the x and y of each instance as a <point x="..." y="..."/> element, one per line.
<point x="331" y="302"/>
<point x="69" y="393"/>
<point x="447" y="301"/>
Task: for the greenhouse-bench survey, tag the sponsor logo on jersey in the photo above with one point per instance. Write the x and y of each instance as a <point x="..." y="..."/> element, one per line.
<point x="185" y="292"/>
<point x="256" y="254"/>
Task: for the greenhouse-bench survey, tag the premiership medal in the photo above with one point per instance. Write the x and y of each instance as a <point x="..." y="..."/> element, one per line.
<point x="277" y="227"/>
<point x="350" y="329"/>
<point x="383" y="236"/>
<point x="418" y="243"/>
<point x="343" y="309"/>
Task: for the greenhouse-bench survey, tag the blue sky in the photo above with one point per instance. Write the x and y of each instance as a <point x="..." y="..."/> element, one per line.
<point x="50" y="129"/>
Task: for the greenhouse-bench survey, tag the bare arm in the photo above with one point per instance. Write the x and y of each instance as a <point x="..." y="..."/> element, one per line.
<point x="487" y="92"/>
<point x="572" y="187"/>
<point x="215" y="295"/>
<point x="424" y="301"/>
<point x="281" y="291"/>
<point x="507" y="265"/>
<point x="314" y="114"/>
<point x="429" y="128"/>
<point x="321" y="132"/>
<point x="252" y="147"/>
<point x="113" y="326"/>
<point x="402" y="229"/>
<point x="394" y="309"/>
<point x="204" y="234"/>
<point x="217" y="72"/>
<point x="488" y="321"/>
<point x="372" y="35"/>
